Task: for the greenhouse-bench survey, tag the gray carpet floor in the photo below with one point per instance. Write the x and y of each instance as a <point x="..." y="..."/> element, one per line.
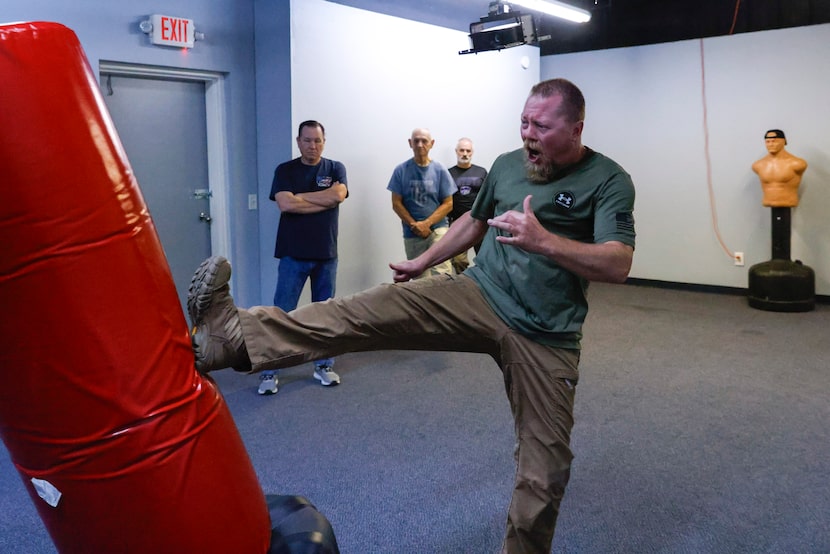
<point x="701" y="427"/>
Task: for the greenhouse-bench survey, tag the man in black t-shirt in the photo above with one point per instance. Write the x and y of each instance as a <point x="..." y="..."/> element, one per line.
<point x="468" y="178"/>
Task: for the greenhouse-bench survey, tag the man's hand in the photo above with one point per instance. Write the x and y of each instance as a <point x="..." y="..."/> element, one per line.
<point x="523" y="229"/>
<point x="421" y="228"/>
<point x="327" y="198"/>
<point x="405" y="270"/>
<point x="608" y="262"/>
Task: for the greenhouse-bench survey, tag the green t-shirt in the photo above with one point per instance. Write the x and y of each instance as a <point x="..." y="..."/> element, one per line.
<point x="591" y="201"/>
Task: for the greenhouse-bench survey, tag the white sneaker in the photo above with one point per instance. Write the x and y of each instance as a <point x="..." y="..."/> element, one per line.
<point x="268" y="383"/>
<point x="326" y="376"/>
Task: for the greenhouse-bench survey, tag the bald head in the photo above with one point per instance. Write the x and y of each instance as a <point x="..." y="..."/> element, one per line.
<point x="421" y="142"/>
<point x="421" y="132"/>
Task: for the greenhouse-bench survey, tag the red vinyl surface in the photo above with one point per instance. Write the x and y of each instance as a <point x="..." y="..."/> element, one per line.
<point x="98" y="393"/>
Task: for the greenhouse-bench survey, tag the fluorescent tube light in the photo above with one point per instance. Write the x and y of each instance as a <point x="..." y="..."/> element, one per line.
<point x="556" y="9"/>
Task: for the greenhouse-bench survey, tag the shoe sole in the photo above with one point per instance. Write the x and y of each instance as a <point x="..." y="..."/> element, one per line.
<point x="267" y="392"/>
<point x="213" y="273"/>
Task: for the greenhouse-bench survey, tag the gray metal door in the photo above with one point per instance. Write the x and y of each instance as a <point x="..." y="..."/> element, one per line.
<point x="162" y="124"/>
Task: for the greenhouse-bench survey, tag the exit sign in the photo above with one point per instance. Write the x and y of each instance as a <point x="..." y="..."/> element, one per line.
<point x="173" y="31"/>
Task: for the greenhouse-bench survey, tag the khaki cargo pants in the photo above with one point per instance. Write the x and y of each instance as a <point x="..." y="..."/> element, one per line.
<point x="447" y="313"/>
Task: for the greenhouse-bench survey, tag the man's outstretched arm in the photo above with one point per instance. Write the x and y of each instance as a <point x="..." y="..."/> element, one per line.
<point x="461" y="235"/>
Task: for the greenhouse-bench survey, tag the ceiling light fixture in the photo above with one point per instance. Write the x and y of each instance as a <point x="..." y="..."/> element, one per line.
<point x="556" y="9"/>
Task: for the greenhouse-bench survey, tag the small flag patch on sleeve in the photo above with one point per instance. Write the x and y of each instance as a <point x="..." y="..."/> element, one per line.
<point x="625" y="222"/>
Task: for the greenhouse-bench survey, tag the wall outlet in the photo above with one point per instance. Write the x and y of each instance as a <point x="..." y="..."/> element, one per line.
<point x="252" y="201"/>
<point x="739" y="258"/>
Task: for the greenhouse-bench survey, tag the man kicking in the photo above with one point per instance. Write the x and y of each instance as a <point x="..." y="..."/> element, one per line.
<point x="551" y="216"/>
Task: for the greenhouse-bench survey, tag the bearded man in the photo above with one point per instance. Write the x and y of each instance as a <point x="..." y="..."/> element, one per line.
<point x="551" y="216"/>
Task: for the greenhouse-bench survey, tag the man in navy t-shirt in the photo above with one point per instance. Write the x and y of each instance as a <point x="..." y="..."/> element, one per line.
<point x="308" y="191"/>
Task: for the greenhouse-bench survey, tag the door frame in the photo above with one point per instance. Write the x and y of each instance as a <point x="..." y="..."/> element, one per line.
<point x="220" y="229"/>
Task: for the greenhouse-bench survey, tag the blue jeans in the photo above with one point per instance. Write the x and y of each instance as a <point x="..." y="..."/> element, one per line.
<point x="291" y="278"/>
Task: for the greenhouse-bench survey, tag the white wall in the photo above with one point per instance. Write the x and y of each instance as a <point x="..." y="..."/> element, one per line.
<point x="645" y="109"/>
<point x="272" y="24"/>
<point x="370" y="79"/>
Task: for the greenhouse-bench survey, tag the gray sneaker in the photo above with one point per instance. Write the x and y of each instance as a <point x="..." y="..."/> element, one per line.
<point x="217" y="332"/>
<point x="268" y="383"/>
<point x="326" y="376"/>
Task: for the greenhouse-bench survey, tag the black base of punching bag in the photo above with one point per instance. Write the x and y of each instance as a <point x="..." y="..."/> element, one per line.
<point x="782" y="286"/>
<point x="298" y="528"/>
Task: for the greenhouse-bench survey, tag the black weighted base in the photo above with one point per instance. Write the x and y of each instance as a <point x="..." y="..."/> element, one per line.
<point x="298" y="528"/>
<point x="782" y="286"/>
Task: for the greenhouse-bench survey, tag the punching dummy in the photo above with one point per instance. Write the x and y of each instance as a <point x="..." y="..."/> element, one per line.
<point x="780" y="284"/>
<point x="780" y="174"/>
<point x="121" y="444"/>
<point x="779" y="171"/>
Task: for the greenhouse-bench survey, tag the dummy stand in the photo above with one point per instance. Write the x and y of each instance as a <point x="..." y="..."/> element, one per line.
<point x="780" y="284"/>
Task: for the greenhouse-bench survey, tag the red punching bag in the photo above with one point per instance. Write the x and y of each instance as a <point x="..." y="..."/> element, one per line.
<point x="121" y="444"/>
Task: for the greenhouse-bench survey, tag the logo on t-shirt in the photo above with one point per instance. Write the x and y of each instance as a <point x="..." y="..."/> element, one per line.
<point x="324" y="182"/>
<point x="421" y="190"/>
<point x="564" y="199"/>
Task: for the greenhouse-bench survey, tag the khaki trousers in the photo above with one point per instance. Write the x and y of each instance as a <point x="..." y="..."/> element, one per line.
<point x="447" y="313"/>
<point x="460" y="262"/>
<point x="415" y="246"/>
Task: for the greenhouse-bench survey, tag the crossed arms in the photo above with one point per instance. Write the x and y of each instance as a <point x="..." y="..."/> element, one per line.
<point x="311" y="202"/>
